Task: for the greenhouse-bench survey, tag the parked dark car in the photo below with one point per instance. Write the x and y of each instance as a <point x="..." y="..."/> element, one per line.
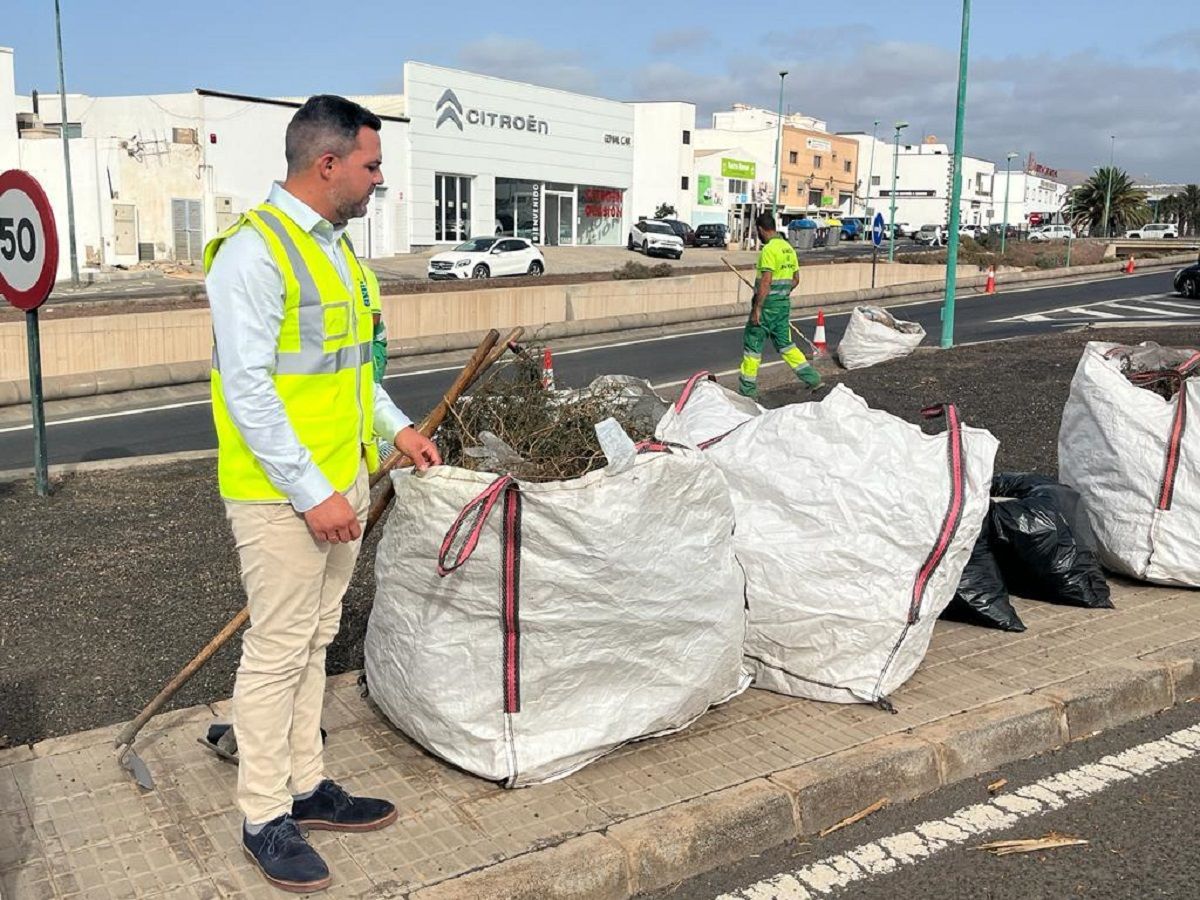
<point x="854" y="228"/>
<point x="683" y="229"/>
<point x="1187" y="281"/>
<point x="711" y="235"/>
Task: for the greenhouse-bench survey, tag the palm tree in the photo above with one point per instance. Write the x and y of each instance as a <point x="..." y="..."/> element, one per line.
<point x="1189" y="208"/>
<point x="1111" y="187"/>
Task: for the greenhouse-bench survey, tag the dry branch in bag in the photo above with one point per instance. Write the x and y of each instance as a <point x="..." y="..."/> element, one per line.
<point x="511" y="424"/>
<point x="1162" y="370"/>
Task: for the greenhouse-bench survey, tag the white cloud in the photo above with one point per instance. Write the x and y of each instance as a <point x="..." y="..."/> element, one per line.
<point x="524" y="59"/>
<point x="1061" y="108"/>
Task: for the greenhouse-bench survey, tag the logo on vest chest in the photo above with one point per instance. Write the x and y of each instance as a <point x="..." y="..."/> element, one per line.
<point x="366" y="297"/>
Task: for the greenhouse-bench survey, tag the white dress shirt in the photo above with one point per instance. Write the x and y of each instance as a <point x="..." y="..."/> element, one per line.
<point x="245" y="293"/>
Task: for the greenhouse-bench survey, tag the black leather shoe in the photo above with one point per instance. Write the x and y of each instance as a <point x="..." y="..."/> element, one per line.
<point x="285" y="857"/>
<point x="331" y="809"/>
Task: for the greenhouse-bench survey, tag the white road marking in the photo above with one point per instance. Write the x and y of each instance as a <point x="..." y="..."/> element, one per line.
<point x="1154" y="310"/>
<point x="109" y="415"/>
<point x="827" y="877"/>
<point x="1046" y="315"/>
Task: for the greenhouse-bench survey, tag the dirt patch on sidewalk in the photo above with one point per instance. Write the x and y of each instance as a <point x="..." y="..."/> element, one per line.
<point x="113" y="583"/>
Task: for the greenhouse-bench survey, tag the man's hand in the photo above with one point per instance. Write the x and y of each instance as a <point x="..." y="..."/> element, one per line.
<point x="333" y="520"/>
<point x="756" y="315"/>
<point x="420" y="449"/>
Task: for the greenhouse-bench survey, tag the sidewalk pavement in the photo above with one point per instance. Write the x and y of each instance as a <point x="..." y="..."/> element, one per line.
<point x="751" y="774"/>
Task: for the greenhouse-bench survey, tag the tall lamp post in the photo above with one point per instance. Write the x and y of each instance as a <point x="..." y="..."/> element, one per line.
<point x="1112" y="151"/>
<point x="66" y="143"/>
<point x="778" y="148"/>
<point x="1007" y="179"/>
<point x="956" y="188"/>
<point x="900" y="126"/>
<point x="870" y="174"/>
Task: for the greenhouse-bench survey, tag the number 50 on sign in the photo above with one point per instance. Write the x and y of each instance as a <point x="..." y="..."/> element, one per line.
<point x="28" y="262"/>
<point x="28" y="241"/>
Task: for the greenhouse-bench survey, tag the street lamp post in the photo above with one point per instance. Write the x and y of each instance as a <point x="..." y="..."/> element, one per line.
<point x="956" y="189"/>
<point x="1108" y="189"/>
<point x="900" y="126"/>
<point x="778" y="148"/>
<point x="66" y="143"/>
<point x="871" y="173"/>
<point x="1007" y="179"/>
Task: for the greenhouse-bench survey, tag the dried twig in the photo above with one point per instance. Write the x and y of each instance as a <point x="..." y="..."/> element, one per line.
<point x="857" y="817"/>
<point x="1051" y="841"/>
<point x="997" y="785"/>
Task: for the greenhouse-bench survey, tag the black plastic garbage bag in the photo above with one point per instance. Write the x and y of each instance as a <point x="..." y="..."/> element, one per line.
<point x="982" y="598"/>
<point x="1043" y="543"/>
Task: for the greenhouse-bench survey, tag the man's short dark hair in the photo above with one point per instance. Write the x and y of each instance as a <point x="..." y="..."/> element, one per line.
<point x="765" y="221"/>
<point x="325" y="123"/>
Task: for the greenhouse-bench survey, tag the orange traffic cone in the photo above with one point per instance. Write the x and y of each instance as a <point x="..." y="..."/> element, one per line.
<point x="818" y="341"/>
<point x="1129" y="266"/>
<point x="990" y="287"/>
<point x="547" y="370"/>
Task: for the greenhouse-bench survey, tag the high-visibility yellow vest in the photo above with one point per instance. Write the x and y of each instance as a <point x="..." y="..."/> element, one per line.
<point x="322" y="363"/>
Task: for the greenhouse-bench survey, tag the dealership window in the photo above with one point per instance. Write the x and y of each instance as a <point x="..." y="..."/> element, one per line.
<point x="687" y="137"/>
<point x="452" y="207"/>
<point x="847" y="165"/>
<point x="518" y="208"/>
<point x="816" y="162"/>
<point x="601" y="214"/>
<point x="683" y="183"/>
<point x="793" y="157"/>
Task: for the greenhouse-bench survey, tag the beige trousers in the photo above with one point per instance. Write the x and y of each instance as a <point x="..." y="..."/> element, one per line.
<point x="294" y="587"/>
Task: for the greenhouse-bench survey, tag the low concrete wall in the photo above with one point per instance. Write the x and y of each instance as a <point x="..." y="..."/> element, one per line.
<point x="118" y="343"/>
<point x="103" y="354"/>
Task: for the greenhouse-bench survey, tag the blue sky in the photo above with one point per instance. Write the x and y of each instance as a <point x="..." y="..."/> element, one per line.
<point x="1056" y="77"/>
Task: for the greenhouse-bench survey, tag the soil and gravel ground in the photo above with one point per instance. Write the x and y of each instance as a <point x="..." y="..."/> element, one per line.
<point x="115" y="581"/>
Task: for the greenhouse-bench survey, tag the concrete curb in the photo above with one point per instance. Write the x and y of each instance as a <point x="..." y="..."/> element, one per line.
<point x="87" y="384"/>
<point x="654" y="850"/>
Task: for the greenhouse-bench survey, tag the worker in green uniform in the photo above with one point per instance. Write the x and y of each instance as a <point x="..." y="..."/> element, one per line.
<point x="771" y="310"/>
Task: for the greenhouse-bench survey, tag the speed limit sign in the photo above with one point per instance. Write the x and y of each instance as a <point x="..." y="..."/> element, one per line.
<point x="28" y="241"/>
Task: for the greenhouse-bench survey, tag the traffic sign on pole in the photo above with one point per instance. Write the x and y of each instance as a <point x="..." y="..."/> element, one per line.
<point x="28" y="264"/>
<point x="877" y="227"/>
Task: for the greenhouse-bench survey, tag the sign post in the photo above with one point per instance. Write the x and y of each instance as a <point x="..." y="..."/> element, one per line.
<point x="28" y="263"/>
<point x="876" y="239"/>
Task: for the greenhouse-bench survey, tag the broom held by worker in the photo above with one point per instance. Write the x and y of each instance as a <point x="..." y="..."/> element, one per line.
<point x="297" y="412"/>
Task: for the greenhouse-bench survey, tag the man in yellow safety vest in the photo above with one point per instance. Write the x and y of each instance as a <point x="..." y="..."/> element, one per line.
<point x="297" y="412"/>
<point x="771" y="310"/>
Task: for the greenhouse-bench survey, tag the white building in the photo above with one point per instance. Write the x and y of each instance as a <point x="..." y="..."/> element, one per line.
<point x="874" y="173"/>
<point x="923" y="188"/>
<point x="490" y="156"/>
<point x="747" y="133"/>
<point x="1031" y="196"/>
<point x="662" y="159"/>
<point x="154" y="177"/>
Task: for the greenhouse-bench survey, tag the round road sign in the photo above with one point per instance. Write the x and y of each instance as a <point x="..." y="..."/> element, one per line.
<point x="28" y="241"/>
<point x="877" y="227"/>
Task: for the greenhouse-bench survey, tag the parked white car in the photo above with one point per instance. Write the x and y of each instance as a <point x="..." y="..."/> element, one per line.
<point x="488" y="257"/>
<point x="1154" y="231"/>
<point x="1044" y="233"/>
<point x="655" y="237"/>
<point x="930" y="235"/>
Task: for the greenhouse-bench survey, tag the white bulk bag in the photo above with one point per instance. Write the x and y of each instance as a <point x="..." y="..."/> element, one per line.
<point x="874" y="335"/>
<point x="1135" y="462"/>
<point x="853" y="526"/>
<point x="569" y="617"/>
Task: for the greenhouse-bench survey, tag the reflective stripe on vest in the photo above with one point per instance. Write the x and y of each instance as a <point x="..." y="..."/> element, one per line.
<point x="322" y="370"/>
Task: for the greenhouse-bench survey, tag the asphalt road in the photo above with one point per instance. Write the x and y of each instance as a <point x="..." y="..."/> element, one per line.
<point x="1140" y="832"/>
<point x="664" y="361"/>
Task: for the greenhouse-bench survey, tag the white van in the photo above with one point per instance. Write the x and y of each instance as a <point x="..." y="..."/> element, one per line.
<point x="1050" y="233"/>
